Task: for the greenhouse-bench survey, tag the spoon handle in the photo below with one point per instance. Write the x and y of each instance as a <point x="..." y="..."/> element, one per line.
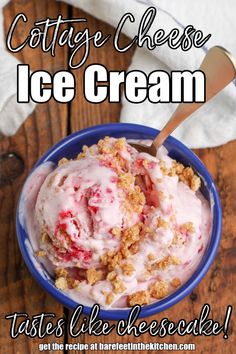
<point x="219" y="67"/>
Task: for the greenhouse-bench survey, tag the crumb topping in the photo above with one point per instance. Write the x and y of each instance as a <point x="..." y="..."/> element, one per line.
<point x="126" y="180"/>
<point x="109" y="298"/>
<point x="81" y="155"/>
<point x="165" y="262"/>
<point x="93" y="275"/>
<point x="129" y="245"/>
<point x="135" y="200"/>
<point x="61" y="283"/>
<point x="111" y="259"/>
<point x="162" y="223"/>
<point x="195" y="183"/>
<point x="116" y="231"/>
<point x="117" y="283"/>
<point x="105" y="146"/>
<point x="61" y="272"/>
<point x="159" y="289"/>
<point x="138" y="298"/>
<point x="127" y="269"/>
<point x="72" y="283"/>
<point x="175" y="282"/>
<point x="187" y="227"/>
<point x="151" y="257"/>
<point x="187" y="176"/>
<point x="131" y="235"/>
<point x="134" y="248"/>
<point x="41" y="253"/>
<point x="62" y="161"/>
<point x="45" y="237"/>
<point x="64" y="280"/>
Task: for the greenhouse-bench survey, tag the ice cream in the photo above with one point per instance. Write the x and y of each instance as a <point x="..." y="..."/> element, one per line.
<point x="121" y="227"/>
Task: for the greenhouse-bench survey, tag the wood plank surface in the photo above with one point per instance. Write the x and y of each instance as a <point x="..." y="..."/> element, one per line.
<point x="48" y="124"/>
<point x="19" y="292"/>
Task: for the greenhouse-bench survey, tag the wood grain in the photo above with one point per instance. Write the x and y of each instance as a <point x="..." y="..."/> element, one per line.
<point x="18" y="290"/>
<point x="48" y="124"/>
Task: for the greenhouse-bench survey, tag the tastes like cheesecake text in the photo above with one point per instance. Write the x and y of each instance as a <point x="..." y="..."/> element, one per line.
<point x="41" y="325"/>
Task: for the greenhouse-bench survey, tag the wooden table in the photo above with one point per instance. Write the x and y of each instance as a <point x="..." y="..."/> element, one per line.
<point x="48" y="124"/>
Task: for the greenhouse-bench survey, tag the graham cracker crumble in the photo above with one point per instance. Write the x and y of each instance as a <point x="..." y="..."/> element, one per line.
<point x="107" y="150"/>
<point x="178" y="239"/>
<point x="45" y="237"/>
<point x="85" y="150"/>
<point x="80" y="156"/>
<point x="126" y="180"/>
<point x="116" y="231"/>
<point x="72" y="283"/>
<point x="111" y="259"/>
<point x="178" y="167"/>
<point x="162" y="223"/>
<point x="120" y="144"/>
<point x="93" y="275"/>
<point x="147" y="230"/>
<point x="64" y="281"/>
<point x="135" y="200"/>
<point x="129" y="245"/>
<point x="111" y="276"/>
<point x="61" y="272"/>
<point x="138" y="298"/>
<point x="118" y="164"/>
<point x="131" y="235"/>
<point x="187" y="227"/>
<point x="63" y="161"/>
<point x="175" y="282"/>
<point x="163" y="167"/>
<point x="127" y="269"/>
<point x="151" y="257"/>
<point x="187" y="176"/>
<point x="165" y="262"/>
<point x="61" y="283"/>
<point x="118" y="286"/>
<point x="159" y="289"/>
<point x="109" y="298"/>
<point x="105" y="146"/>
<point x="117" y="283"/>
<point x="41" y="253"/>
<point x="195" y="183"/>
<point x="134" y="248"/>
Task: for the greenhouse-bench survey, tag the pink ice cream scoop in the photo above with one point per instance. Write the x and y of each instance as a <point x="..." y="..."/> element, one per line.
<point x="78" y="206"/>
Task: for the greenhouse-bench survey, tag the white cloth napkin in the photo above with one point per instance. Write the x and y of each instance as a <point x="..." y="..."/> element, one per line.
<point x="12" y="114"/>
<point x="214" y="124"/>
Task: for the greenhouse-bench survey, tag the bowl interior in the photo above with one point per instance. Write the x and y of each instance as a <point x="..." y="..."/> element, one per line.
<point x="70" y="147"/>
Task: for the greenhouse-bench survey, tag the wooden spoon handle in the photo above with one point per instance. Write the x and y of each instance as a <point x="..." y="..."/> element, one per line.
<point x="220" y="69"/>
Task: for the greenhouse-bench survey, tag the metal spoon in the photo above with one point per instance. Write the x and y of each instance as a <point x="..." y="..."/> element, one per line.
<point x="219" y="67"/>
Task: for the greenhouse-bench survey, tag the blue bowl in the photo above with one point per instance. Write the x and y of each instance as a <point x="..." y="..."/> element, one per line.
<point x="69" y="147"/>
